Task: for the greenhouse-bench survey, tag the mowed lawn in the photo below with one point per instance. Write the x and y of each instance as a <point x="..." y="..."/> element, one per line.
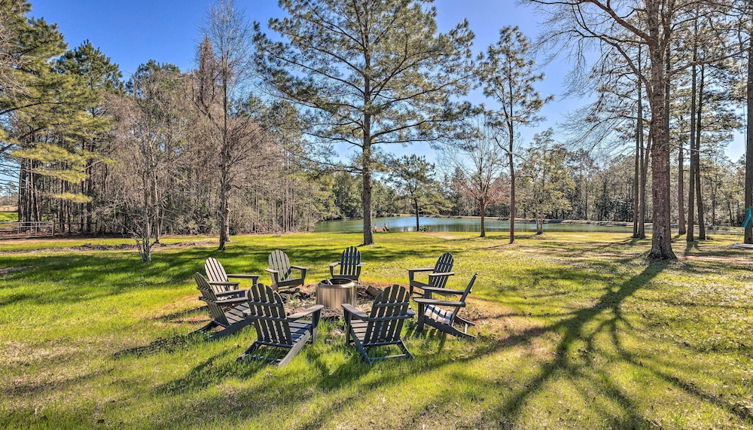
<point x="576" y="330"/>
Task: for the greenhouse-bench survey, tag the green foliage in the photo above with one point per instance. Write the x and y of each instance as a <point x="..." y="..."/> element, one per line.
<point x="413" y="178"/>
<point x="507" y="73"/>
<point x="546" y="177"/>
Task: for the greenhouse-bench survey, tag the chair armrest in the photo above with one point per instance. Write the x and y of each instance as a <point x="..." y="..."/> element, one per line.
<point x="271" y="271"/>
<point x="445" y="291"/>
<point x="231" y="301"/>
<point x="437" y="275"/>
<point x="244" y="276"/>
<point x="428" y="269"/>
<point x="308" y="311"/>
<point x="354" y="312"/>
<point x="424" y="301"/>
<point x="334" y="264"/>
<point x="223" y="283"/>
<point x="299" y="268"/>
<point x="231" y="293"/>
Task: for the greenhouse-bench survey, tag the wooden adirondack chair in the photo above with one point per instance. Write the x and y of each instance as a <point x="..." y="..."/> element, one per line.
<point x="282" y="272"/>
<point x="443" y="314"/>
<point x="228" y="311"/>
<point x="438" y="277"/>
<point x="350" y="264"/>
<point x="274" y="329"/>
<point x="220" y="280"/>
<point x="382" y="326"/>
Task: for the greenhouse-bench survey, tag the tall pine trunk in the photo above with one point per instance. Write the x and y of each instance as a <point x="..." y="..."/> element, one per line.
<point x="415" y="208"/>
<point x="691" y="177"/>
<point x="224" y="212"/>
<point x="697" y="155"/>
<point x="637" y="169"/>
<point x="661" y="241"/>
<point x="511" y="161"/>
<point x="749" y="143"/>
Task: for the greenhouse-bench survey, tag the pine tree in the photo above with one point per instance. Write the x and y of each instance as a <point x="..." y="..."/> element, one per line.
<point x="507" y="73"/>
<point x="368" y="74"/>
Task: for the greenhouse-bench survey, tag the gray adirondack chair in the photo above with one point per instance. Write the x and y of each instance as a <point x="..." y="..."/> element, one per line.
<point x="281" y="272"/>
<point x="443" y="314"/>
<point x="350" y="264"/>
<point x="220" y="280"/>
<point x="228" y="312"/>
<point x="438" y="277"/>
<point x="274" y="329"/>
<point x="382" y="326"/>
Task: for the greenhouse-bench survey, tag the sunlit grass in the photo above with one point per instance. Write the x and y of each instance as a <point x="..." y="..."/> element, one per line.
<point x="8" y="216"/>
<point x="576" y="330"/>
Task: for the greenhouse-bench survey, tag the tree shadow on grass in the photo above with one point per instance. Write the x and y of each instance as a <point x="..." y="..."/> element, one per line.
<point x="163" y="345"/>
<point x="573" y="328"/>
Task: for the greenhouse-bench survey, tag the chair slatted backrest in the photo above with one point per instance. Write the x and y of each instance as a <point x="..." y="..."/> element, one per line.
<point x="349" y="261"/>
<point x="214" y="270"/>
<point x="387" y="316"/>
<point x="444" y="265"/>
<point x="279" y="261"/>
<point x="464" y="296"/>
<point x="268" y="312"/>
<point x="215" y="311"/>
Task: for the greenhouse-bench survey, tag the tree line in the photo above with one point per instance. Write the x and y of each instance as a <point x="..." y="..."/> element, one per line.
<point x="274" y="132"/>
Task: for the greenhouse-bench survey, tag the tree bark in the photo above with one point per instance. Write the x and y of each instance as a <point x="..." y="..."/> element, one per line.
<point x="636" y="181"/>
<point x="661" y="242"/>
<point x="640" y="178"/>
<point x="697" y="156"/>
<point x="749" y="144"/>
<point x="368" y="234"/>
<point x="690" y="237"/>
<point x="224" y="212"/>
<point x="511" y="161"/>
<point x="415" y="208"/>
<point x="681" y="189"/>
<point x="482" y="212"/>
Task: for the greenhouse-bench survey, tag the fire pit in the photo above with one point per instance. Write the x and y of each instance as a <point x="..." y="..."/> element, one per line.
<point x="334" y="292"/>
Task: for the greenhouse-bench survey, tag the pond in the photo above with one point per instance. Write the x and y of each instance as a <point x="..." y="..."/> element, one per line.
<point x="407" y="223"/>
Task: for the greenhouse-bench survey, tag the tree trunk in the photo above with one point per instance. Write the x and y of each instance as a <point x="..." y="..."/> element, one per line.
<point x="539" y="226"/>
<point x="749" y="144"/>
<point x="661" y="242"/>
<point x="511" y="161"/>
<point x="636" y="173"/>
<point x="681" y="189"/>
<point x="224" y="213"/>
<point x="368" y="234"/>
<point x="643" y="181"/>
<point x="691" y="177"/>
<point x="638" y="181"/>
<point x="697" y="155"/>
<point x="482" y="212"/>
<point x="415" y="207"/>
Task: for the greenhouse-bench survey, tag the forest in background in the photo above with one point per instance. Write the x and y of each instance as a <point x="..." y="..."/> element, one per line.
<point x="274" y="134"/>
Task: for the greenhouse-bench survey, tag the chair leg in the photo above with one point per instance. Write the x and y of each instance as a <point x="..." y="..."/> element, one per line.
<point x="421" y="318"/>
<point x="254" y="346"/>
<point x="361" y="349"/>
<point x="294" y="350"/>
<point x="407" y="353"/>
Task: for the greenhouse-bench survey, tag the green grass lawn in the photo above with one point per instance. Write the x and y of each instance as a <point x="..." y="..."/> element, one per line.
<point x="8" y="216"/>
<point x="575" y="330"/>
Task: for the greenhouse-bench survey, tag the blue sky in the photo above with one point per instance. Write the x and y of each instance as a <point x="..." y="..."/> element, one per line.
<point x="132" y="32"/>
